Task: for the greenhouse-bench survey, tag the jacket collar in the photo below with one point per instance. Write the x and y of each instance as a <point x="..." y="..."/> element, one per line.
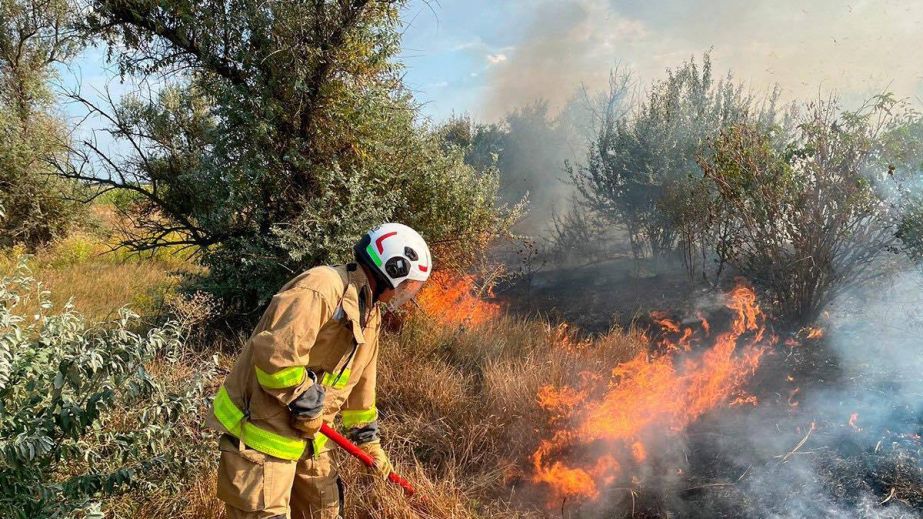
<point x="357" y="300"/>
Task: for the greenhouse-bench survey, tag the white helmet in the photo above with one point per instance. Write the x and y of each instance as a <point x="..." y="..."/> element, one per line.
<point x="395" y="253"/>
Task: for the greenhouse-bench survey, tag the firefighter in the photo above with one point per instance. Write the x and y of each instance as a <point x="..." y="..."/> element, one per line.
<point x="312" y="357"/>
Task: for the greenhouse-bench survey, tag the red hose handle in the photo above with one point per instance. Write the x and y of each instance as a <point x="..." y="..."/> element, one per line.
<point x="363" y="456"/>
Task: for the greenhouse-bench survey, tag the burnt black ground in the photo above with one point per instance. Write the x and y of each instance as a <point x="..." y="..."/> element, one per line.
<point x="594" y="298"/>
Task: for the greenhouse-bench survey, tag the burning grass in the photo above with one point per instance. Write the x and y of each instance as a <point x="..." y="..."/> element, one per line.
<point x="492" y="416"/>
<point x="669" y="423"/>
<point x="453" y="299"/>
<point x="605" y="420"/>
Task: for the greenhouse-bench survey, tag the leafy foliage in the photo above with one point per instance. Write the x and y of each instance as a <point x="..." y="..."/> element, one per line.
<point x="812" y="212"/>
<point x="640" y="164"/>
<point x="284" y="134"/>
<point x="81" y="418"/>
<point x="34" y="34"/>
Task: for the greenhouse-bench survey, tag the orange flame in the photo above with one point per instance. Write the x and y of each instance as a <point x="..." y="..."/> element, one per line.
<point x="452" y="300"/>
<point x="647" y="395"/>
<point x="638" y="452"/>
<point x="813" y="332"/>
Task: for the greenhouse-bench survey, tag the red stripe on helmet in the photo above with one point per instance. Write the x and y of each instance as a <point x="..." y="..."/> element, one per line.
<point x="423" y="268"/>
<point x="381" y="239"/>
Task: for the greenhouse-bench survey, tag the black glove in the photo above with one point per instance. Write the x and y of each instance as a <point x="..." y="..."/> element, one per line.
<point x="308" y="409"/>
<point x="365" y="434"/>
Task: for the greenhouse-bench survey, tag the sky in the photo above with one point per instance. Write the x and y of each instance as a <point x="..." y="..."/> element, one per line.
<point x="485" y="57"/>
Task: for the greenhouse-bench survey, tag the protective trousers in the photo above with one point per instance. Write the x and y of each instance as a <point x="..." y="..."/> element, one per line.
<point x="254" y="485"/>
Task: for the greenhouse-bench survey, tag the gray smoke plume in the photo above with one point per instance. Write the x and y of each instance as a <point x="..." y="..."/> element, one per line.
<point x="856" y="48"/>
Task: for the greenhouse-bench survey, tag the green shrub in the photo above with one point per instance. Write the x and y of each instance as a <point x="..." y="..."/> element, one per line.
<point x="73" y="250"/>
<point x="81" y="418"/>
<point x="811" y="213"/>
<point x="641" y="169"/>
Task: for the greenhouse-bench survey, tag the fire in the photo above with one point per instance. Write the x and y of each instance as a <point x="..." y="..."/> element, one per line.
<point x="672" y="327"/>
<point x="649" y="396"/>
<point x="813" y="332"/>
<point x="665" y="322"/>
<point x="452" y="299"/>
<point x="638" y="452"/>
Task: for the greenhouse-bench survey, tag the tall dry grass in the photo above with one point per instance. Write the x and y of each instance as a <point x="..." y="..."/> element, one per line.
<point x="87" y="268"/>
<point x="460" y="413"/>
<point x="459" y="419"/>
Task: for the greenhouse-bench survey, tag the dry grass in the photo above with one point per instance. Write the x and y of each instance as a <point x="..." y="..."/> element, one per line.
<point x="459" y="417"/>
<point x="84" y="268"/>
<point x="198" y="498"/>
<point x="458" y="405"/>
<point x="460" y="413"/>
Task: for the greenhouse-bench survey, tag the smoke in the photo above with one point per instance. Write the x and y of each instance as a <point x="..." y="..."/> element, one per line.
<point x="860" y="414"/>
<point x="836" y="432"/>
<point x="855" y="48"/>
<point x="533" y="149"/>
<point x="567" y="45"/>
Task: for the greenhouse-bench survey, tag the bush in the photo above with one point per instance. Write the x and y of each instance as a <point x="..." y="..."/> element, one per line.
<point x="812" y="212"/>
<point x="34" y="34"/>
<point x="81" y="417"/>
<point x="639" y="165"/>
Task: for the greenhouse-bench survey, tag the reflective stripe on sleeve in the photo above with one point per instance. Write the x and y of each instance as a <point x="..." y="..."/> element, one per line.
<point x="227" y="413"/>
<point x="286" y="377"/>
<point x="355" y="418"/>
<point x="336" y="381"/>
<point x="319" y="443"/>
<point x="257" y="438"/>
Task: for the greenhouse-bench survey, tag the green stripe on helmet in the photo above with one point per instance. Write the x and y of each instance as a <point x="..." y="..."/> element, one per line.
<point x="373" y="254"/>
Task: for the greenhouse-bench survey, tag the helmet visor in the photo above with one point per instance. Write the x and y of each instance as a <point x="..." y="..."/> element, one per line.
<point x="403" y="294"/>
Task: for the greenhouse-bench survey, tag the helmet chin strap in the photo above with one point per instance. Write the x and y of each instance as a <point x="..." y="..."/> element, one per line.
<point x="377" y="282"/>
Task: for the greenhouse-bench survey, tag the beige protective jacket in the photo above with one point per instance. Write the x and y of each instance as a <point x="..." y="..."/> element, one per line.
<point x="323" y="321"/>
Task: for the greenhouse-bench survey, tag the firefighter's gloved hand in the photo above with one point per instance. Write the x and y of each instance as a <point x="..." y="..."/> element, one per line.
<point x="383" y="465"/>
<point x="307" y="411"/>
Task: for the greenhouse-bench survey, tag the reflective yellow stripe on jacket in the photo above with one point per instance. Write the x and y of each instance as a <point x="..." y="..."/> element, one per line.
<point x="336" y="381"/>
<point x="267" y="442"/>
<point x="281" y="379"/>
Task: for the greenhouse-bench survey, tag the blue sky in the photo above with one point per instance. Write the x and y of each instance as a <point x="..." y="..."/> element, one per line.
<point x="485" y="57"/>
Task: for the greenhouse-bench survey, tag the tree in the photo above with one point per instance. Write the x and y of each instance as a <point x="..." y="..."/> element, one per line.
<point x="640" y="162"/>
<point x="34" y="35"/>
<point x="283" y="134"/>
<point x="811" y="212"/>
